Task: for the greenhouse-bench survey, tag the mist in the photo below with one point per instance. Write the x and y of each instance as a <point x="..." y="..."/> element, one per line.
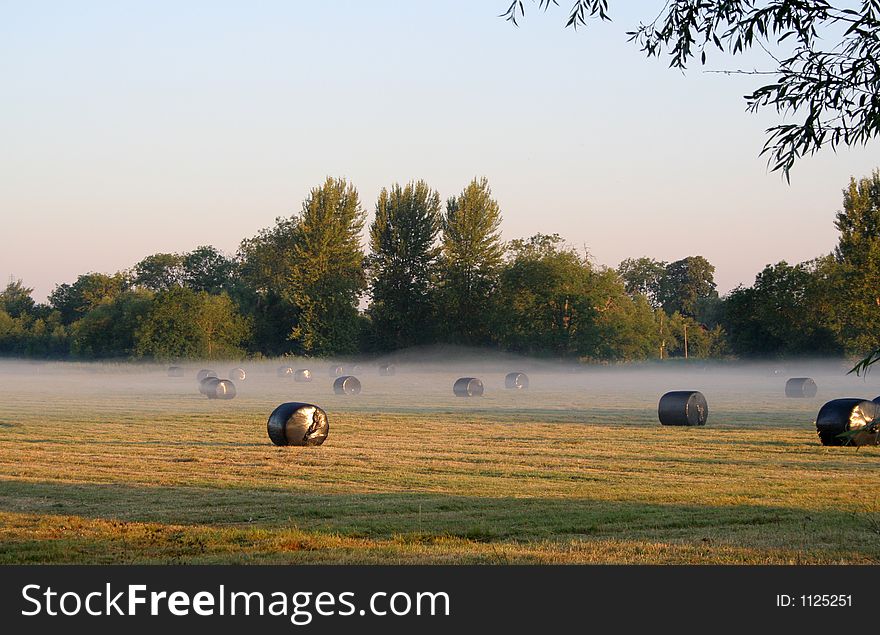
<point x="739" y="394"/>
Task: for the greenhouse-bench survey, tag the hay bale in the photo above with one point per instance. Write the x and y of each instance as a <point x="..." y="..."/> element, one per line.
<point x="285" y="371"/>
<point x="222" y="389"/>
<point x="468" y="387"/>
<point x="347" y="385"/>
<point x="516" y="381"/>
<point x="303" y="375"/>
<point x="849" y="422"/>
<point x="237" y="374"/>
<point x="175" y="371"/>
<point x="683" y="408"/>
<point x="296" y="423"/>
<point x="387" y="370"/>
<point x="336" y="371"/>
<point x="204" y="373"/>
<point x="800" y="388"/>
<point x="206" y="385"/>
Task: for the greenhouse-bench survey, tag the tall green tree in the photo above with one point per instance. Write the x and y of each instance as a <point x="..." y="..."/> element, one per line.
<point x="16" y="299"/>
<point x="643" y="276"/>
<point x="206" y="269"/>
<point x="471" y="257"/>
<point x="402" y="263"/>
<point x="159" y="272"/>
<point x="327" y="274"/>
<point x="857" y="271"/>
<point x="686" y="283"/>
<point x="546" y="292"/>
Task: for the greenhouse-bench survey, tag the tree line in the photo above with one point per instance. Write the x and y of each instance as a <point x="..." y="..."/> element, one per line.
<point x="438" y="272"/>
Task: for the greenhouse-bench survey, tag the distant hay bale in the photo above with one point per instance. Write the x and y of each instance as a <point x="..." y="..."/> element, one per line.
<point x="204" y="373"/>
<point x="303" y="375"/>
<point x="222" y="389"/>
<point x="296" y="423"/>
<point x="683" y="408"/>
<point x="337" y="371"/>
<point x="800" y="388"/>
<point x="347" y="385"/>
<point x="849" y="422"/>
<point x="175" y="371"/>
<point x="468" y="387"/>
<point x="285" y="371"/>
<point x="206" y="385"/>
<point x="387" y="370"/>
<point x="516" y="381"/>
<point x="237" y="374"/>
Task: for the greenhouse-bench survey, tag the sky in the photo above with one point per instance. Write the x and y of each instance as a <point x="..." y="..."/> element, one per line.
<point x="131" y="128"/>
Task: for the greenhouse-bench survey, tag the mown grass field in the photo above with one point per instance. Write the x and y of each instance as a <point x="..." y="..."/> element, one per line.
<point x="134" y="467"/>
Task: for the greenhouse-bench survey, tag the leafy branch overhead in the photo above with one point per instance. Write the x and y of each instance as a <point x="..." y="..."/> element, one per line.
<point x="825" y="58"/>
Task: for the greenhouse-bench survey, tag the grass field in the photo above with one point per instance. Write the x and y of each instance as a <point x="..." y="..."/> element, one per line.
<point x="124" y="465"/>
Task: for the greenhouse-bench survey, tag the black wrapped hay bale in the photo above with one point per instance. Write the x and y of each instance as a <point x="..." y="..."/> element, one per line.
<point x="204" y="373"/>
<point x="221" y="389"/>
<point x="800" y="387"/>
<point x="237" y="374"/>
<point x="387" y="370"/>
<point x="516" y="381"/>
<point x="337" y="371"/>
<point x="683" y="408"/>
<point x="468" y="387"/>
<point x="285" y="371"/>
<point x="347" y="385"/>
<point x="302" y="375"/>
<point x="848" y="422"/>
<point x="206" y="385"/>
<point x="175" y="371"/>
<point x="298" y="424"/>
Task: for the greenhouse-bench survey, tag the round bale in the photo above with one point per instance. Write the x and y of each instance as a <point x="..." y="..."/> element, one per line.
<point x="175" y="371"/>
<point x="683" y="408"/>
<point x="516" y="381"/>
<point x="237" y="374"/>
<point x="347" y="385"/>
<point x="296" y="423"/>
<point x="204" y="373"/>
<point x="848" y="422"/>
<point x="285" y="371"/>
<point x="222" y="389"/>
<point x="303" y="375"/>
<point x="468" y="387"/>
<point x="337" y="371"/>
<point x="800" y="388"/>
<point x="387" y="370"/>
<point x="206" y="385"/>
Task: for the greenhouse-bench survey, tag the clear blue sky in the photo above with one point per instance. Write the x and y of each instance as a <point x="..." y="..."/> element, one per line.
<point x="129" y="128"/>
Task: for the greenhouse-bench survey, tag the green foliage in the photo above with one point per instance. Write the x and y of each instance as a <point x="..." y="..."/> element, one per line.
<point x="545" y="291"/>
<point x="643" y="276"/>
<point x="471" y="257"/>
<point x="108" y="329"/>
<point x="781" y="314"/>
<point x="87" y="292"/>
<point x="624" y="325"/>
<point x="182" y="323"/>
<point x="402" y="265"/>
<point x="821" y="57"/>
<point x="206" y="269"/>
<point x="159" y="272"/>
<point x="686" y="283"/>
<point x="327" y="273"/>
<point x="16" y="299"/>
